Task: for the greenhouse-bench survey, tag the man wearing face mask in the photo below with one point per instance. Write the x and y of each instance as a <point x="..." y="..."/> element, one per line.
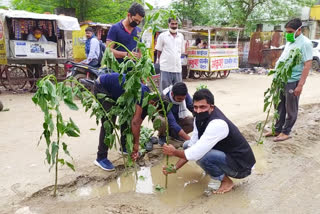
<point x="288" y="107"/>
<point x="35" y="36"/>
<point x="216" y="145"/>
<point x="179" y="117"/>
<point x="125" y="31"/>
<point x="170" y="46"/>
<point x="92" y="49"/>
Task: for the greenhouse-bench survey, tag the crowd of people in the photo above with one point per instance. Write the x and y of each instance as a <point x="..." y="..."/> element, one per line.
<point x="216" y="144"/>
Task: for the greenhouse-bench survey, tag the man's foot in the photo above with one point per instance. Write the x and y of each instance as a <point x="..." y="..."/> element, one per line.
<point x="213" y="185"/>
<point x="178" y="139"/>
<point x="149" y="146"/>
<point x="281" y="137"/>
<point x="162" y="140"/>
<point x="270" y="134"/>
<point x="104" y="164"/>
<point x="226" y="185"/>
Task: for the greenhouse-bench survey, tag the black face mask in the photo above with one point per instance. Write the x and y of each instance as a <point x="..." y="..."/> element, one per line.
<point x="174" y="28"/>
<point x="202" y="116"/>
<point x="133" y="24"/>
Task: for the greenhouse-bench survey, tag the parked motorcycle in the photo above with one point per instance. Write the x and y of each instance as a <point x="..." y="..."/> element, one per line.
<point x="80" y="71"/>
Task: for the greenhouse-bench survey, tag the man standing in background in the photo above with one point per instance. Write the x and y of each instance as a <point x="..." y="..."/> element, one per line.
<point x="170" y="46"/>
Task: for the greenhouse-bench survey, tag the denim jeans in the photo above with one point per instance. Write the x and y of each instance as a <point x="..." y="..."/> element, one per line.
<point x="215" y="164"/>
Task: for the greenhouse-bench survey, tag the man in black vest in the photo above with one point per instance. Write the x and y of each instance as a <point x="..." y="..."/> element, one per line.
<point x="216" y="144"/>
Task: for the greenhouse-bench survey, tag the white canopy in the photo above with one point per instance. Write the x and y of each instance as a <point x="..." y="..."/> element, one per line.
<point x="63" y="22"/>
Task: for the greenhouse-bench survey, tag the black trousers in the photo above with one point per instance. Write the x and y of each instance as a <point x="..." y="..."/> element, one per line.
<point x="102" y="147"/>
<point x="287" y="109"/>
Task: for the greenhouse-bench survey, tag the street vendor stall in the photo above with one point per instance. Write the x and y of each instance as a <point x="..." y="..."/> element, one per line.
<point x="17" y="52"/>
<point x="219" y="56"/>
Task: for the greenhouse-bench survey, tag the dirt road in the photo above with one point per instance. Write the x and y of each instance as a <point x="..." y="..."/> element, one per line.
<point x="286" y="179"/>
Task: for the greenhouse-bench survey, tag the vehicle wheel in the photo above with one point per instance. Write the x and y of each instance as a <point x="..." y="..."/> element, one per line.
<point x="208" y="74"/>
<point x="15" y="78"/>
<point x="197" y="74"/>
<point x="315" y="65"/>
<point x="224" y="74"/>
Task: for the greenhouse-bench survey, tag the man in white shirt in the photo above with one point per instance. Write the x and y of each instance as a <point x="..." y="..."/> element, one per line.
<point x="170" y="46"/>
<point x="216" y="145"/>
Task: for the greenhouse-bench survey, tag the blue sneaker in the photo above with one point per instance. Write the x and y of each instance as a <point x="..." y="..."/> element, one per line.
<point x="104" y="164"/>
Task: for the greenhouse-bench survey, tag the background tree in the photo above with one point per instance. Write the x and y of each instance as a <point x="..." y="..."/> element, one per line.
<point x="105" y="11"/>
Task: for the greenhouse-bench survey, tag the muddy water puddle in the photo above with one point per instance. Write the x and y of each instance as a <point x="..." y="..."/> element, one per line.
<point x="187" y="184"/>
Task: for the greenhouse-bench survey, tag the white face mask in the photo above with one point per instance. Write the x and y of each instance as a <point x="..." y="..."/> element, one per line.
<point x="173" y="31"/>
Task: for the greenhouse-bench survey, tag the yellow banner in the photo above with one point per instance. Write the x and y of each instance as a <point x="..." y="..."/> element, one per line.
<point x="3" y="55"/>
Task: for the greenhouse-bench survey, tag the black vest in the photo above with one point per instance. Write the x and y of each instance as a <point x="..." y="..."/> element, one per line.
<point x="235" y="146"/>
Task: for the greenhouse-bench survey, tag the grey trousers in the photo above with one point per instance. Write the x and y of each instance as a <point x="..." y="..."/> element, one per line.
<point x="287" y="109"/>
<point x="169" y="78"/>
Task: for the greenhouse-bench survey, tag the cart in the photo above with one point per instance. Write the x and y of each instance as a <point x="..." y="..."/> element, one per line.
<point x="17" y="54"/>
<point x="221" y="55"/>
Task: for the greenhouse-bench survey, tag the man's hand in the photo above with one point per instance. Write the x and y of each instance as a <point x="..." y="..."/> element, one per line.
<point x="135" y="152"/>
<point x="135" y="156"/>
<point x="167" y="172"/>
<point x="134" y="55"/>
<point x="168" y="149"/>
<point x="297" y="90"/>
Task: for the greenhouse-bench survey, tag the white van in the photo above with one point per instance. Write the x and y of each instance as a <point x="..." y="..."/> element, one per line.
<point x="316" y="55"/>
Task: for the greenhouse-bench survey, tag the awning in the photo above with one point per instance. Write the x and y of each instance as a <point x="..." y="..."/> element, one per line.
<point x="63" y="22"/>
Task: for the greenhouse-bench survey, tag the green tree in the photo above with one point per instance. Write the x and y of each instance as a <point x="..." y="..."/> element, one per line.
<point x="245" y="12"/>
<point x="105" y="11"/>
<point x="194" y="10"/>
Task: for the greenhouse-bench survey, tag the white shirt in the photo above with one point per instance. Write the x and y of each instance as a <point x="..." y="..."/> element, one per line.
<point x="171" y="49"/>
<point x="216" y="131"/>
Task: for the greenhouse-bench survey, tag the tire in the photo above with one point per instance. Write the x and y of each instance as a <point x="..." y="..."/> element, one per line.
<point x="315" y="65"/>
<point x="208" y="74"/>
<point x="1" y="106"/>
<point x="197" y="74"/>
<point x="224" y="74"/>
<point x="16" y="78"/>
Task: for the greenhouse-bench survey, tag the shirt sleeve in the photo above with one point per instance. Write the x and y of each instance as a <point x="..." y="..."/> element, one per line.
<point x="112" y="34"/>
<point x="189" y="103"/>
<point x="173" y="123"/>
<point x="159" y="45"/>
<point x="306" y="50"/>
<point x="216" y="131"/>
<point x="194" y="138"/>
<point x="182" y="44"/>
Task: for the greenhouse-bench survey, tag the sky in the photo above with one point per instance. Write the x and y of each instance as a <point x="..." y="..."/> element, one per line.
<point x="159" y="3"/>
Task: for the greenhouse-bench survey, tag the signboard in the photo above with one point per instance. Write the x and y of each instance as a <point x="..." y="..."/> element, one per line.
<point x="198" y="52"/>
<point x="30" y="49"/>
<point x="224" y="63"/>
<point x="224" y="52"/>
<point x="198" y="64"/>
<point x="3" y="55"/>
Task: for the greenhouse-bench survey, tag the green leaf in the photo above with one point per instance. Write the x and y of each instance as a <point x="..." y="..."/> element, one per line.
<point x="71" y="104"/>
<point x="157" y="123"/>
<point x="61" y="161"/>
<point x="149" y="6"/>
<point x="54" y="151"/>
<point x="151" y="110"/>
<point x="159" y="188"/>
<point x="71" y="166"/>
<point x="101" y="96"/>
<point x="65" y="149"/>
<point x="142" y="178"/>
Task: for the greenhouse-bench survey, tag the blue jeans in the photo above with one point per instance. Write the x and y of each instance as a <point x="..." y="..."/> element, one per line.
<point x="215" y="164"/>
